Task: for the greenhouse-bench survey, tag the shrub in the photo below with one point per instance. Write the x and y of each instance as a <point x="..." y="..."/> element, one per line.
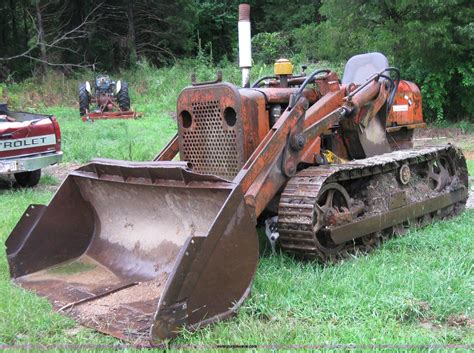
<point x="430" y="41"/>
<point x="306" y="42"/>
<point x="268" y="47"/>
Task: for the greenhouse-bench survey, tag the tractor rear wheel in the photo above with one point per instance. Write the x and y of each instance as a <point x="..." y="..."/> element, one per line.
<point x="84" y="99"/>
<point x="28" y="179"/>
<point x="123" y="98"/>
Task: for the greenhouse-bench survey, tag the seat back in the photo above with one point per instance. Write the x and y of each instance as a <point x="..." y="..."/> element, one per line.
<point x="360" y="67"/>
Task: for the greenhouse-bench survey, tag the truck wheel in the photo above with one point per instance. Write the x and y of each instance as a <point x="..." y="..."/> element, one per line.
<point x="84" y="99"/>
<point x="28" y="179"/>
<point x="123" y="98"/>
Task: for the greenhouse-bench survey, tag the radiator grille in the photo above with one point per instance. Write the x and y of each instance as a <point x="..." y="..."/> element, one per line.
<point x="207" y="145"/>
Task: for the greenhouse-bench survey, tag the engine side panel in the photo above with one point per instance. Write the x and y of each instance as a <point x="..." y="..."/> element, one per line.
<point x="406" y="108"/>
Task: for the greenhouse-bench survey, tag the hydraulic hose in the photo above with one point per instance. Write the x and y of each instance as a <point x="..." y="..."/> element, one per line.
<point x="310" y="78"/>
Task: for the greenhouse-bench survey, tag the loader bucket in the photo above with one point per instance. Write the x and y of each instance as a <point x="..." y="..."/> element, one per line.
<point x="138" y="250"/>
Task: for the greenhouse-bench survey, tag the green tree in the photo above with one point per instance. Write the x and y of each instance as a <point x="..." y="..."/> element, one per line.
<point x="431" y="42"/>
<point x="216" y="27"/>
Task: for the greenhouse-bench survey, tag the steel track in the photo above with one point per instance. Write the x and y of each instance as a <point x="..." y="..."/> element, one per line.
<point x="298" y="227"/>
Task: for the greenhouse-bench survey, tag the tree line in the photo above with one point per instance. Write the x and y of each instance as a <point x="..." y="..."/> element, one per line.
<point x="431" y="41"/>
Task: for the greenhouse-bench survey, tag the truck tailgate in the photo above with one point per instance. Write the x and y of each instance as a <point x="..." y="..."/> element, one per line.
<point x="21" y="138"/>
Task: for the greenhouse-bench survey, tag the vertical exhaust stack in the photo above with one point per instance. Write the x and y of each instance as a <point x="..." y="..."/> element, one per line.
<point x="245" y="46"/>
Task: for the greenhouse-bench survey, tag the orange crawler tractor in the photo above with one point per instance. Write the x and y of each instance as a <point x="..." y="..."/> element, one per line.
<point x="140" y="250"/>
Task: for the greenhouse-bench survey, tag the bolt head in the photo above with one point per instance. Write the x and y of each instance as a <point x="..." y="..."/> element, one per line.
<point x="404" y="174"/>
<point x="298" y="142"/>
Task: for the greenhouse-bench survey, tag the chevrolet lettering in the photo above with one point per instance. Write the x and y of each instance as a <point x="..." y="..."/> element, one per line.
<point x="36" y="141"/>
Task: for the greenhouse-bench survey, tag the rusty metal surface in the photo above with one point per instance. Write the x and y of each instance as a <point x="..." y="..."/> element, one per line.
<point x="371" y="183"/>
<point x="261" y="177"/>
<point x="292" y="137"/>
<point x="215" y="283"/>
<point x="255" y="119"/>
<point x="117" y="238"/>
<point x="169" y="151"/>
<point x="397" y="128"/>
<point x="396" y="216"/>
<point x="327" y="104"/>
<point x="212" y="145"/>
<point x="366" y="94"/>
<point x="324" y="84"/>
<point x="407" y="106"/>
<point x="400" y="139"/>
<point x="365" y="134"/>
<point x="282" y="95"/>
<point x="105" y="115"/>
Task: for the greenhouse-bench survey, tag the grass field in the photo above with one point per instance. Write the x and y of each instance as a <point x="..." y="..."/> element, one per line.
<point x="418" y="289"/>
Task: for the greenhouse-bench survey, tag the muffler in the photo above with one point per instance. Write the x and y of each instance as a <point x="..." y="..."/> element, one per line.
<point x="138" y="250"/>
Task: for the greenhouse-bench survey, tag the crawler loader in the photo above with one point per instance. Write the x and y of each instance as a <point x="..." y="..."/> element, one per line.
<point x="141" y="250"/>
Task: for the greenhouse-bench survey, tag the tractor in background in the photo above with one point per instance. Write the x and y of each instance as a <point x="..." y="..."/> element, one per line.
<point x="111" y="98"/>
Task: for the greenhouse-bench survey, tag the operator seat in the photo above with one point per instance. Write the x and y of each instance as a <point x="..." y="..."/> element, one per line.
<point x="360" y="67"/>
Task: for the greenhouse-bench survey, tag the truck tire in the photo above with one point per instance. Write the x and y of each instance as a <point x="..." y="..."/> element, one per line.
<point x="84" y="99"/>
<point x="123" y="98"/>
<point x="28" y="179"/>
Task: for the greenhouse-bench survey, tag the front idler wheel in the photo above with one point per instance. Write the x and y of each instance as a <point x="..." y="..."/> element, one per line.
<point x="332" y="209"/>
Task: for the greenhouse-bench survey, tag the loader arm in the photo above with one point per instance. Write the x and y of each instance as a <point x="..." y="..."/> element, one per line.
<point x="289" y="142"/>
<point x="169" y="151"/>
<point x="294" y="138"/>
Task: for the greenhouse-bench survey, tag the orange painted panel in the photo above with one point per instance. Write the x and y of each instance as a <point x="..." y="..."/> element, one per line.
<point x="406" y="108"/>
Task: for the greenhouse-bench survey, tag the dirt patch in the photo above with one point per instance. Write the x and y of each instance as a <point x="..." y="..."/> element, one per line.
<point x="454" y="321"/>
<point x="383" y="190"/>
<point x="435" y="137"/>
<point x="143" y="292"/>
<point x="86" y="275"/>
<point x="468" y="154"/>
<point x="460" y="321"/>
<point x="470" y="200"/>
<point x="127" y="313"/>
<point x="56" y="173"/>
<point x="430" y="325"/>
<point x="85" y="271"/>
<point x="172" y="115"/>
<point x="432" y="132"/>
<point x="60" y="171"/>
